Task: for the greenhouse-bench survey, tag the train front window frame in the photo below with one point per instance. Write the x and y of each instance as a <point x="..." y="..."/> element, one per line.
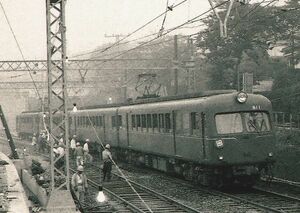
<point x="229" y="123"/>
<point x="243" y="122"/>
<point x="257" y="122"/>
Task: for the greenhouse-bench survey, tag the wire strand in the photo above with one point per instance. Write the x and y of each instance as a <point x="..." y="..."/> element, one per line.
<point x="135" y="31"/>
<point x="20" y="50"/>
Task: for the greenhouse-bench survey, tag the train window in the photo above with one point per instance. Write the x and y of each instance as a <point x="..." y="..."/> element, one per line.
<point x="138" y="120"/>
<point x="155" y="122"/>
<point x="113" y="121"/>
<point x="97" y="123"/>
<point x="256" y="121"/>
<point x="133" y="121"/>
<point x="101" y="120"/>
<point x="144" y="121"/>
<point x="93" y="118"/>
<point x="168" y="122"/>
<point x="119" y="120"/>
<point x="183" y="123"/>
<point x="161" y="119"/>
<point x="196" y="123"/>
<point x="89" y="120"/>
<point x="229" y="123"/>
<point x="86" y="121"/>
<point x="149" y="123"/>
<point x="70" y="121"/>
<point x="81" y="121"/>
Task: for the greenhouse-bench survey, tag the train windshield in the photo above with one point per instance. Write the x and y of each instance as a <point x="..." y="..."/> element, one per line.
<point x="242" y="122"/>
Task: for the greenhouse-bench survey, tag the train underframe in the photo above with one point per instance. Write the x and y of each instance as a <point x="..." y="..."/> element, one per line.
<point x="207" y="175"/>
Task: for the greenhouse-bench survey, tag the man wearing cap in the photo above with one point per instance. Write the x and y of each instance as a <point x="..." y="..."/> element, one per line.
<point x="86" y="150"/>
<point x="79" y="184"/>
<point x="73" y="146"/>
<point x="107" y="162"/>
<point x="79" y="154"/>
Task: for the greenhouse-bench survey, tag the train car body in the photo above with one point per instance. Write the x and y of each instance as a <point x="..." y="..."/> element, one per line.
<point x="214" y="139"/>
<point x="27" y="124"/>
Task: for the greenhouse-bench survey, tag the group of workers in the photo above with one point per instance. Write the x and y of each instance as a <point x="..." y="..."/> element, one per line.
<point x="40" y="142"/>
<point x="78" y="153"/>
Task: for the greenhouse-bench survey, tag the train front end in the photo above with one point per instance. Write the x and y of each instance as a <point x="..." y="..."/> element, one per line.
<point x="241" y="140"/>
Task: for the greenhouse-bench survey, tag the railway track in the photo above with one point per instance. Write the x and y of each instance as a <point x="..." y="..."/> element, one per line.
<point x="241" y="199"/>
<point x="268" y="200"/>
<point x="141" y="199"/>
<point x="256" y="199"/>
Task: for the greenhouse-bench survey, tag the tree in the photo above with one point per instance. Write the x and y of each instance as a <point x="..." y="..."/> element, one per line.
<point x="249" y="30"/>
<point x="291" y="26"/>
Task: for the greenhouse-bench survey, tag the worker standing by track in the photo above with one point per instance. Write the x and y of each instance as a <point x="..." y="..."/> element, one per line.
<point x="86" y="150"/>
<point x="79" y="184"/>
<point x="107" y="163"/>
<point x="79" y="154"/>
<point x="73" y="146"/>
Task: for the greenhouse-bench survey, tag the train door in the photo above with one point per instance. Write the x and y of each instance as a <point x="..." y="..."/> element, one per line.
<point x="118" y="120"/>
<point x="127" y="129"/>
<point x="203" y="132"/>
<point x="104" y="127"/>
<point x="174" y="130"/>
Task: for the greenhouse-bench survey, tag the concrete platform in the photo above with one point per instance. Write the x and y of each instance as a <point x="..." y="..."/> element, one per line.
<point x="12" y="194"/>
<point x="61" y="202"/>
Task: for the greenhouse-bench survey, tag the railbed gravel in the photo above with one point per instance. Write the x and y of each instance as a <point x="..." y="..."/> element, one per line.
<point x="191" y="197"/>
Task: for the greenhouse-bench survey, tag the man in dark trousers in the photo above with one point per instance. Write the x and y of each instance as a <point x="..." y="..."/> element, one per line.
<point x="79" y="184"/>
<point x="107" y="162"/>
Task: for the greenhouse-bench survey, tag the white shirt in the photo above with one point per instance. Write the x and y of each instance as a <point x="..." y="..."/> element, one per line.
<point x="60" y="151"/>
<point x="73" y="144"/>
<point x="86" y="147"/>
<point x="106" y="155"/>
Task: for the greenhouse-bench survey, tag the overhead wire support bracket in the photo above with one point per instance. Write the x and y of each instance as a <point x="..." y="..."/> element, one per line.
<point x="223" y="24"/>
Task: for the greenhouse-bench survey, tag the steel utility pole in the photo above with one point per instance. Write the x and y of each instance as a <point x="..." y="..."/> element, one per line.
<point x="57" y="103"/>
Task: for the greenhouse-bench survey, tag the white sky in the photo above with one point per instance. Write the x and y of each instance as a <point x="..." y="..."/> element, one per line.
<point x="87" y="21"/>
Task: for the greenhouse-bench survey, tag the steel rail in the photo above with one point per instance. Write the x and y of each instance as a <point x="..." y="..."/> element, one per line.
<point x="157" y="194"/>
<point x="95" y="184"/>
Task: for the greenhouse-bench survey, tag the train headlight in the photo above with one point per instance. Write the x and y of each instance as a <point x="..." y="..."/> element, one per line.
<point x="221" y="158"/>
<point x="242" y="97"/>
<point x="270" y="154"/>
<point x="219" y="143"/>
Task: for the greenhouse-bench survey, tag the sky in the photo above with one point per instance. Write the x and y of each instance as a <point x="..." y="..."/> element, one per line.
<point x="87" y="22"/>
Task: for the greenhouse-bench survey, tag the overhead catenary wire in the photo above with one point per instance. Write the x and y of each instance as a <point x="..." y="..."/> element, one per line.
<point x="165" y="33"/>
<point x="133" y="32"/>
<point x="20" y="50"/>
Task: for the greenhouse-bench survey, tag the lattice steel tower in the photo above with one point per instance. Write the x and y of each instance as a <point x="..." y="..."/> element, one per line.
<point x="57" y="89"/>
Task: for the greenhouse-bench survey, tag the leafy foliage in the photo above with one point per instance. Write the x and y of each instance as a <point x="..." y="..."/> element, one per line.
<point x="244" y="49"/>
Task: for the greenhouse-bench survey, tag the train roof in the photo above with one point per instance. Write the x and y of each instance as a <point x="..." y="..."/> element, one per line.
<point x="190" y="100"/>
<point x="219" y="103"/>
<point x="162" y="99"/>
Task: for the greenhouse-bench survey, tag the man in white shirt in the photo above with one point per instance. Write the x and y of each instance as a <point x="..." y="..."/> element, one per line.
<point x="73" y="146"/>
<point x="86" y="150"/>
